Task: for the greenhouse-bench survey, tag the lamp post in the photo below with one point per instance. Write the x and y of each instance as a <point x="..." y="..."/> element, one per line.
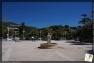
<point x="15" y="33"/>
<point x="8" y="29"/>
<point x="7" y="36"/>
<point x="51" y="32"/>
<point x="65" y="35"/>
<point x="8" y="33"/>
<point x="79" y="33"/>
<point x="40" y="34"/>
<point x="23" y="33"/>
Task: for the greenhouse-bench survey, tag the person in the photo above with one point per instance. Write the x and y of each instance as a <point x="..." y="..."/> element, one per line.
<point x="33" y="38"/>
<point x="77" y="39"/>
<point x="80" y="39"/>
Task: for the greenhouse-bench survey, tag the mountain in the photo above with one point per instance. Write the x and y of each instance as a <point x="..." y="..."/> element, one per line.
<point x="9" y="24"/>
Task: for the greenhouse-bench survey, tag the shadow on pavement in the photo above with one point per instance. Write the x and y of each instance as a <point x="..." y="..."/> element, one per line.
<point x="81" y="43"/>
<point x="78" y="43"/>
<point x="90" y="52"/>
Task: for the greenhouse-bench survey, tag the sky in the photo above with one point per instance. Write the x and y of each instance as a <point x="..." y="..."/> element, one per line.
<point x="43" y="14"/>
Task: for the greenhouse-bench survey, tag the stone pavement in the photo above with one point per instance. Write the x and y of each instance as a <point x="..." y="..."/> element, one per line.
<point x="29" y="51"/>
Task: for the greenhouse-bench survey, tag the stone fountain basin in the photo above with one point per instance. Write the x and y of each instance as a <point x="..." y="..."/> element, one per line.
<point x="48" y="46"/>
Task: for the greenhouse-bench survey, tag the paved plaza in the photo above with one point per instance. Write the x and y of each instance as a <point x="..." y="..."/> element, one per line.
<point x="28" y="51"/>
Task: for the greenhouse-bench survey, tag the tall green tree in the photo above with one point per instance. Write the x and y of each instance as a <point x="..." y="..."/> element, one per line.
<point x="84" y="15"/>
<point x="85" y="32"/>
<point x="46" y="31"/>
<point x="34" y="32"/>
<point x="84" y="20"/>
<point x="4" y="30"/>
<point x="22" y="29"/>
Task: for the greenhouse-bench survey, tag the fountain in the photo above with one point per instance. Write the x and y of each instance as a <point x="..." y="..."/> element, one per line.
<point x="48" y="45"/>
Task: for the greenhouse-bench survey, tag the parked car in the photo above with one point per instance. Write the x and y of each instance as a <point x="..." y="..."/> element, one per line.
<point x="44" y="39"/>
<point x="55" y="38"/>
<point x="27" y="38"/>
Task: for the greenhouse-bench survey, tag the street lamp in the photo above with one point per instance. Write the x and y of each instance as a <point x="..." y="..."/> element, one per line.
<point x="8" y="29"/>
<point x="15" y="33"/>
<point x="40" y="34"/>
<point x="23" y="33"/>
<point x="7" y="36"/>
<point x="8" y="33"/>
<point x="51" y="31"/>
<point x="65" y="35"/>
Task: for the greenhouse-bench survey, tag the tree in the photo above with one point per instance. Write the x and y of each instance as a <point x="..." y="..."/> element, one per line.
<point x="84" y="20"/>
<point x="21" y="29"/>
<point x="34" y="32"/>
<point x="66" y="26"/>
<point x="0" y="29"/>
<point x="4" y="30"/>
<point x="45" y="32"/>
<point x="85" y="31"/>
<point x="84" y="15"/>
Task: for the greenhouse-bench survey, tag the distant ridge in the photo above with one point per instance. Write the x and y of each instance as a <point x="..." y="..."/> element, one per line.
<point x="9" y="23"/>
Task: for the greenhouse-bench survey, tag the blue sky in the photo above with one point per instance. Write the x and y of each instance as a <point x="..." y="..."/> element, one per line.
<point x="42" y="14"/>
